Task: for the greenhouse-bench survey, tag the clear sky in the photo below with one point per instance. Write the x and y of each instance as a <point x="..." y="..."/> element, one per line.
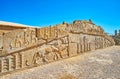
<point x="105" y="13"/>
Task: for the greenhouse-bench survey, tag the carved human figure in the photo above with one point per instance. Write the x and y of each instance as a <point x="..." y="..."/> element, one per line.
<point x="27" y="63"/>
<point x="18" y="41"/>
<point x="26" y="38"/>
<point x="33" y="37"/>
<point x="41" y="55"/>
<point x="36" y="58"/>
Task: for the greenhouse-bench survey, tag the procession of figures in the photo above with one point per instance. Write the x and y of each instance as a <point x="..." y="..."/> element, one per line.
<point x="30" y="47"/>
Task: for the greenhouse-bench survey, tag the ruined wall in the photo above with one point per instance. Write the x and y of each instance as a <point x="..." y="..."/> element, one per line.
<point x="30" y="47"/>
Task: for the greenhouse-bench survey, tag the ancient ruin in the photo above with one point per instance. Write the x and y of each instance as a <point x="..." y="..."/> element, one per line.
<point x="23" y="47"/>
<point x="116" y="37"/>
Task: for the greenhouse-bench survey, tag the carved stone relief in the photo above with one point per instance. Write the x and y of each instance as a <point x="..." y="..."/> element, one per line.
<point x="54" y="43"/>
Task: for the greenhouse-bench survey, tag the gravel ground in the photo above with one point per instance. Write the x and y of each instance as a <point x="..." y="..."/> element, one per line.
<point x="99" y="64"/>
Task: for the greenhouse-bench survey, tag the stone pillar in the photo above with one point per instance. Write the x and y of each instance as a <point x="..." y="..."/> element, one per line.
<point x="119" y="32"/>
<point x="115" y="32"/>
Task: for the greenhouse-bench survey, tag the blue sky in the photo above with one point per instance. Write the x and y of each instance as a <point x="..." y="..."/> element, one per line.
<point x="105" y="13"/>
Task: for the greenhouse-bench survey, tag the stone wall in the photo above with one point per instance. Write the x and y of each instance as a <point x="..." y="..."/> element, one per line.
<point x="30" y="47"/>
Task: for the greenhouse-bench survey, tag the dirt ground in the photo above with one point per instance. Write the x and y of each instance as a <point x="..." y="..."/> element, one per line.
<point x="99" y="64"/>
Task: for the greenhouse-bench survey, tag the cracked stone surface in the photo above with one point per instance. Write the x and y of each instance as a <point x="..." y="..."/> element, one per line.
<point x="99" y="64"/>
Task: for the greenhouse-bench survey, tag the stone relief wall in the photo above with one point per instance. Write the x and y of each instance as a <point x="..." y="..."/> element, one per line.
<point x="30" y="47"/>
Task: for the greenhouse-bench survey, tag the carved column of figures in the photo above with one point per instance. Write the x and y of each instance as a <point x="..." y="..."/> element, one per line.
<point x="9" y="59"/>
<point x="15" y="61"/>
<point x="1" y="64"/>
<point x="22" y="59"/>
<point x="18" y="60"/>
<point x="4" y="65"/>
<point x="11" y="62"/>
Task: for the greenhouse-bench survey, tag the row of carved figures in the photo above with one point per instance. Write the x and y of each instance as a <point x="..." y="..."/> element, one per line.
<point x="17" y="61"/>
<point x="11" y="62"/>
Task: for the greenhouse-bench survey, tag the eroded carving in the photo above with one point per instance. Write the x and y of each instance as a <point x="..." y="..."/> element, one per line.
<point x="35" y="46"/>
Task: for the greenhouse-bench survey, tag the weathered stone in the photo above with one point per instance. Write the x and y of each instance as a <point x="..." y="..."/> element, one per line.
<point x="26" y="47"/>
